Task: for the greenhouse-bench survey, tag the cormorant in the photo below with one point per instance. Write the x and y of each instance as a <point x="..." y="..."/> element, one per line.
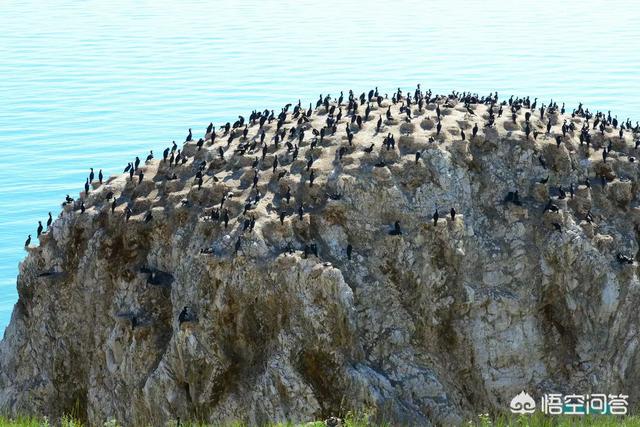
<point x="225" y="217"/>
<point x="435" y="217"/>
<point x="453" y="214"/>
<point x="312" y="176"/>
<point x="39" y="228"/>
<point x="49" y="221"/>
<point x="238" y="243"/>
<point x="189" y="136"/>
<point x="417" y="156"/>
<point x="396" y="229"/>
<point x="475" y="130"/>
<point x="349" y="250"/>
<point x="300" y="212"/>
<point x="100" y="176"/>
<point x="137" y="162"/>
<point x="86" y="187"/>
<point x="128" y="213"/>
<point x="91" y="175"/>
<point x="369" y="149"/>
<point x="113" y="205"/>
<point x="28" y="242"/>
<point x="82" y="208"/>
<point x="150" y="156"/>
<point x="185" y="315"/>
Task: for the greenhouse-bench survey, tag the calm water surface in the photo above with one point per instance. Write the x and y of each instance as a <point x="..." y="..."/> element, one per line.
<point x="95" y="83"/>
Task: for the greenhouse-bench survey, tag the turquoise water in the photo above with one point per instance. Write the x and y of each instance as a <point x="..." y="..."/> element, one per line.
<point x="95" y="83"/>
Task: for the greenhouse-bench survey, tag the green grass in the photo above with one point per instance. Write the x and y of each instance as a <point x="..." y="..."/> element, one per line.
<point x="537" y="420"/>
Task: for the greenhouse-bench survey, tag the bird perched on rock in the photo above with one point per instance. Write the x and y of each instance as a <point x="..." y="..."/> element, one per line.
<point x="396" y="229"/>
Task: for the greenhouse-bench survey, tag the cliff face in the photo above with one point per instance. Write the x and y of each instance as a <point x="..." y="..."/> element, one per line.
<point x="445" y="320"/>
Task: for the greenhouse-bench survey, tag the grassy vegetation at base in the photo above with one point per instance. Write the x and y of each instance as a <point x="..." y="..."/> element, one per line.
<point x="537" y="420"/>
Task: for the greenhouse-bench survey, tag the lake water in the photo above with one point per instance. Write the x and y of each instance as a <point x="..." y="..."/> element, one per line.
<point x="95" y="83"/>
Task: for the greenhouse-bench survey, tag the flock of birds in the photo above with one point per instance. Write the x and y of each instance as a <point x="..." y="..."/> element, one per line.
<point x="293" y="132"/>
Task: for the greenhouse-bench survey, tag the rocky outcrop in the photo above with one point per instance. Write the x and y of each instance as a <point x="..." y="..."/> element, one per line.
<point x="535" y="291"/>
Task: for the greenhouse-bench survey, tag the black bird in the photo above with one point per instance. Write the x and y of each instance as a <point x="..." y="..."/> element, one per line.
<point x="379" y="124"/>
<point x="435" y="217"/>
<point x="140" y="177"/>
<point x="49" y="221"/>
<point x="100" y="176"/>
<point x="189" y="136"/>
<point x="453" y="214"/>
<point x="544" y="180"/>
<point x="464" y="137"/>
<point x="225" y="217"/>
<point x="396" y="229"/>
<point x="300" y="212"/>
<point x="349" y="250"/>
<point x="475" y="130"/>
<point x="137" y="162"/>
<point x="128" y="213"/>
<point x="148" y="217"/>
<point x="39" y="228"/>
<point x="82" y="208"/>
<point x="86" y="187"/>
<point x="150" y="156"/>
<point x="312" y="177"/>
<point x="113" y="205"/>
<point x="91" y="175"/>
<point x="185" y="315"/>
<point x="438" y="128"/>
<point x="282" y="216"/>
<point x="417" y="156"/>
<point x="238" y="243"/>
<point x="369" y="149"/>
<point x="28" y="242"/>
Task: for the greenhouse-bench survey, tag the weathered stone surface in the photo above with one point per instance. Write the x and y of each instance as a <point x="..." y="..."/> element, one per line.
<point x="431" y="326"/>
